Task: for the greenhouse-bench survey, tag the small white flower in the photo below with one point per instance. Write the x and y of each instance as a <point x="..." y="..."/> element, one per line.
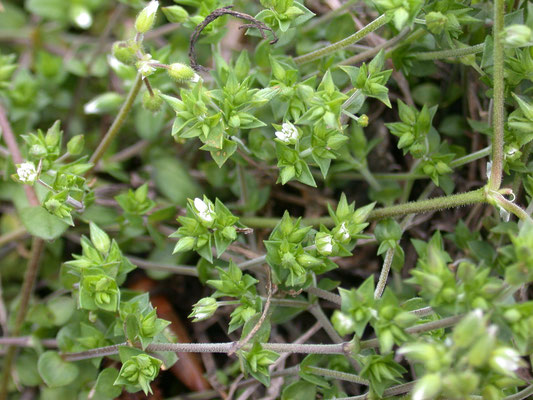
<point x="151" y="8"/>
<point x="288" y="133"/>
<point x="324" y="243"/>
<point x="146" y="69"/>
<point x="195" y="78"/>
<point x="27" y="173"/>
<point x="205" y="211"/>
<point x="84" y="19"/>
<point x="343" y="231"/>
<point x="91" y="107"/>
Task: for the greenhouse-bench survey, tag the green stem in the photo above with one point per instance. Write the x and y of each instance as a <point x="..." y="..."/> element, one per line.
<point x="343" y="376"/>
<point x="450" y="53"/>
<point x="360" y="34"/>
<point x="118" y="122"/>
<point x="511" y="207"/>
<point x="415" y="207"/>
<point x="175" y="269"/>
<point x="324" y="294"/>
<point x="524" y="394"/>
<point x="458" y="162"/>
<point x="13" y="235"/>
<point x="495" y="179"/>
<point x="384" y="275"/>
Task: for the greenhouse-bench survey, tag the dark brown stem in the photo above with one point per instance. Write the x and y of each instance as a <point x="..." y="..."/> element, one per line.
<point x="219" y="12"/>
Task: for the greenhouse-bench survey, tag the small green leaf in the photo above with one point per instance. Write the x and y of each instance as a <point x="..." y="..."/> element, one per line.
<point x="41" y="223"/>
<point x="54" y="371"/>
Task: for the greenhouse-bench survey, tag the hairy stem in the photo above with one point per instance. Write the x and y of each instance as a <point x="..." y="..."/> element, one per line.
<point x="114" y="129"/>
<point x="341" y="44"/>
<point x="415" y="207"/>
<point x="324" y="294"/>
<point x="384" y="275"/>
<point x="343" y="376"/>
<point x="451" y="53"/>
<point x="495" y="179"/>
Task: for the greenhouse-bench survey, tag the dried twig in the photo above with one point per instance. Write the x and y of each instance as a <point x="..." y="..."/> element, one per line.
<point x="219" y="12"/>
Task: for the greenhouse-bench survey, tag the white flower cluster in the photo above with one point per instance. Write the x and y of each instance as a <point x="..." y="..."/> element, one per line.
<point x="27" y="173"/>
<point x="288" y="133"/>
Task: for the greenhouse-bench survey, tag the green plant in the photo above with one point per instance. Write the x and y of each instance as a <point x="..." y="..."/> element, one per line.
<point x="231" y="171"/>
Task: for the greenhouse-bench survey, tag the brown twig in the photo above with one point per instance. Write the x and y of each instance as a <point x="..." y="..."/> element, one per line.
<point x="219" y="12"/>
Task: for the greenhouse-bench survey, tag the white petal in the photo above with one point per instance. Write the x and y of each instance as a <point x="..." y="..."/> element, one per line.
<point x="151" y="8"/>
<point x="200" y="205"/>
<point x="84" y="19"/>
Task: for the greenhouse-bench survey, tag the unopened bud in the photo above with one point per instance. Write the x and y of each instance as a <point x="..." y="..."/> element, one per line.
<point x="181" y="73"/>
<point x="146" y="18"/>
<point x="152" y="102"/>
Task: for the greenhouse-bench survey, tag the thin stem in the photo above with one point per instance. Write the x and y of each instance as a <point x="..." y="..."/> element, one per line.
<point x="324" y="294"/>
<point x="343" y="376"/>
<point x="524" y="394"/>
<point x="118" y="122"/>
<point x="511" y="207"/>
<point x="337" y="348"/>
<point x="495" y="179"/>
<point x="175" y="269"/>
<point x="415" y="207"/>
<point x="360" y="34"/>
<point x="318" y="313"/>
<point x="450" y="53"/>
<point x="27" y="341"/>
<point x="458" y="162"/>
<point x="12" y="236"/>
<point x="367" y="54"/>
<point x="306" y="152"/>
<point x="384" y="275"/>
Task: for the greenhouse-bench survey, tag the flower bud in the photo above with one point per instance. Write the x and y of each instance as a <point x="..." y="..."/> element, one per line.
<point x="517" y="35"/>
<point x="308" y="261"/>
<point x="505" y="360"/>
<point x="180" y="72"/>
<point x="185" y="244"/>
<point x="75" y="145"/>
<point x="436" y="22"/>
<point x="38" y="151"/>
<point x="229" y="232"/>
<point x="175" y="14"/>
<point x="427" y="387"/>
<point x="324" y="243"/>
<point x="204" y="309"/>
<point x="125" y="52"/>
<point x="362" y="121"/>
<point x="53" y="135"/>
<point x="146" y="18"/>
<point x="342" y="322"/>
<point x="153" y="102"/>
<point x="512" y="315"/>
<point x="99" y="238"/>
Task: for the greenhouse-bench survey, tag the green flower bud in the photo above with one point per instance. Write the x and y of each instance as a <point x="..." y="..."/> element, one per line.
<point x="139" y="371"/>
<point x="386" y="341"/>
<point x="234" y="121"/>
<point x="75" y="145"/>
<point x="153" y="102"/>
<point x="505" y="360"/>
<point x="125" y="52"/>
<point x="204" y="309"/>
<point x="186" y="243"/>
<point x="442" y="168"/>
<point x="229" y="232"/>
<point x="362" y="121"/>
<point x="517" y="35"/>
<point x="325" y="244"/>
<point x="38" y="151"/>
<point x="436" y="22"/>
<point x="512" y="315"/>
<point x="99" y="238"/>
<point x="52" y="205"/>
<point x="147" y="324"/>
<point x="53" y="135"/>
<point x="428" y="387"/>
<point x="342" y="322"/>
<point x="146" y="18"/>
<point x="175" y="14"/>
<point x="181" y="73"/>
<point x="308" y="261"/>
<point x="449" y="295"/>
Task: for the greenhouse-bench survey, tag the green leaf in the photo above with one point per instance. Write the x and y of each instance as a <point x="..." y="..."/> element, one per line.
<point x="299" y="390"/>
<point x="104" y="383"/>
<point x="41" y="223"/>
<point x="54" y="371"/>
